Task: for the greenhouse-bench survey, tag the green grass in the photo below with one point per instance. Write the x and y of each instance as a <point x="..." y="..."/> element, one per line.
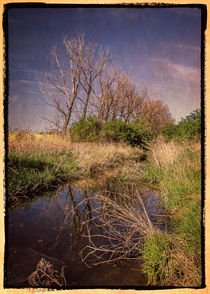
<point x="156" y="256"/>
<point x="175" y="258"/>
<point x="31" y="172"/>
<point x="168" y="261"/>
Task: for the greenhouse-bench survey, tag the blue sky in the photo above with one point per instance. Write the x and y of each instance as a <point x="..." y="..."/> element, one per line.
<point x="158" y="47"/>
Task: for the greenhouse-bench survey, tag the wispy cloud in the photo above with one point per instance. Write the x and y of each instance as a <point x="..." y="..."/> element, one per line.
<point x="24" y="70"/>
<point x="184" y="46"/>
<point x="28" y="82"/>
<point x="177" y="71"/>
<point x="35" y="87"/>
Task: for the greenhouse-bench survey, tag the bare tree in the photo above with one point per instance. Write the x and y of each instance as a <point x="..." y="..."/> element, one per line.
<point x="70" y="86"/>
<point x="107" y="99"/>
<point x="118" y="97"/>
<point x="63" y="85"/>
<point x="84" y="82"/>
<point x="129" y="100"/>
<point x="156" y="113"/>
<point x="94" y="60"/>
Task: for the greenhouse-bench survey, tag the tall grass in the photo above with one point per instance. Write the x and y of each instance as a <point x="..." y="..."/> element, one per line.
<point x="175" y="259"/>
<point x="39" y="161"/>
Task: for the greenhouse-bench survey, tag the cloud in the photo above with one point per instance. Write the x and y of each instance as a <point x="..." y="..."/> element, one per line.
<point x="28" y="82"/>
<point x="182" y="46"/>
<point x="177" y="71"/>
<point x="25" y="70"/>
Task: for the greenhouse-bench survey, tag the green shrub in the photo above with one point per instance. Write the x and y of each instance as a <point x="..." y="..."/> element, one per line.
<point x="93" y="130"/>
<point x="188" y="128"/>
<point x="170" y="131"/>
<point x="135" y="134"/>
<point x="86" y="130"/>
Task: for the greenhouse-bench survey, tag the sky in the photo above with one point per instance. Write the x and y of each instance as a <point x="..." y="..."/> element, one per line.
<point x="158" y="47"/>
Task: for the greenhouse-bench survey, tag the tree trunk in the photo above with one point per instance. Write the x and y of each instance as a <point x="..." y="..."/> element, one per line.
<point x="84" y="112"/>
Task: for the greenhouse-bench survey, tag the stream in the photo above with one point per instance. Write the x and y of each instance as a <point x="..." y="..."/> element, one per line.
<point x="53" y="226"/>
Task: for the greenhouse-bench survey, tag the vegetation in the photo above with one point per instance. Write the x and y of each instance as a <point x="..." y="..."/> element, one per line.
<point x="175" y="258"/>
<point x="86" y="130"/>
<point x="135" y="134"/>
<point x="87" y="83"/>
<point x="168" y="161"/>
<point x="106" y="122"/>
<point x="92" y="129"/>
<point x="39" y="161"/>
<point x="30" y="172"/>
<point x="187" y="129"/>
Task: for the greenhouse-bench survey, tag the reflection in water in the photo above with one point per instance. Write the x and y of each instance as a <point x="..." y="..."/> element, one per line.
<point x="64" y="224"/>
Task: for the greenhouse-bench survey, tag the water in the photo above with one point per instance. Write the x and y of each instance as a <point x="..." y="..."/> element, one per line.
<point x="52" y="225"/>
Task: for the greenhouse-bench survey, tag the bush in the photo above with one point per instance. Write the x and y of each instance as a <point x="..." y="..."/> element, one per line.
<point x="86" y="130"/>
<point x="93" y="130"/>
<point x="170" y="131"/>
<point x="189" y="128"/>
<point x="135" y="134"/>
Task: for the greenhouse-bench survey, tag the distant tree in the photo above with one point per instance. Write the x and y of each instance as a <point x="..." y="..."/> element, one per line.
<point x="118" y="97"/>
<point x="129" y="98"/>
<point x="189" y="128"/>
<point x="105" y="93"/>
<point x="156" y="113"/>
<point x="85" y="83"/>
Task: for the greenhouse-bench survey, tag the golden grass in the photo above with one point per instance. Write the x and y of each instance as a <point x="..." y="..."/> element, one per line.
<point x="166" y="153"/>
<point x="88" y="156"/>
<point x="92" y="156"/>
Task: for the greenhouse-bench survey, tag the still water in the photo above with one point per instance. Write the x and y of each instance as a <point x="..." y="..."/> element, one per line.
<point x="51" y="225"/>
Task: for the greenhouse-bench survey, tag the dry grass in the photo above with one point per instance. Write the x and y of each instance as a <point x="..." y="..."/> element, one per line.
<point x="166" y="153"/>
<point x="95" y="157"/>
<point x="32" y="143"/>
<point x="89" y="157"/>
